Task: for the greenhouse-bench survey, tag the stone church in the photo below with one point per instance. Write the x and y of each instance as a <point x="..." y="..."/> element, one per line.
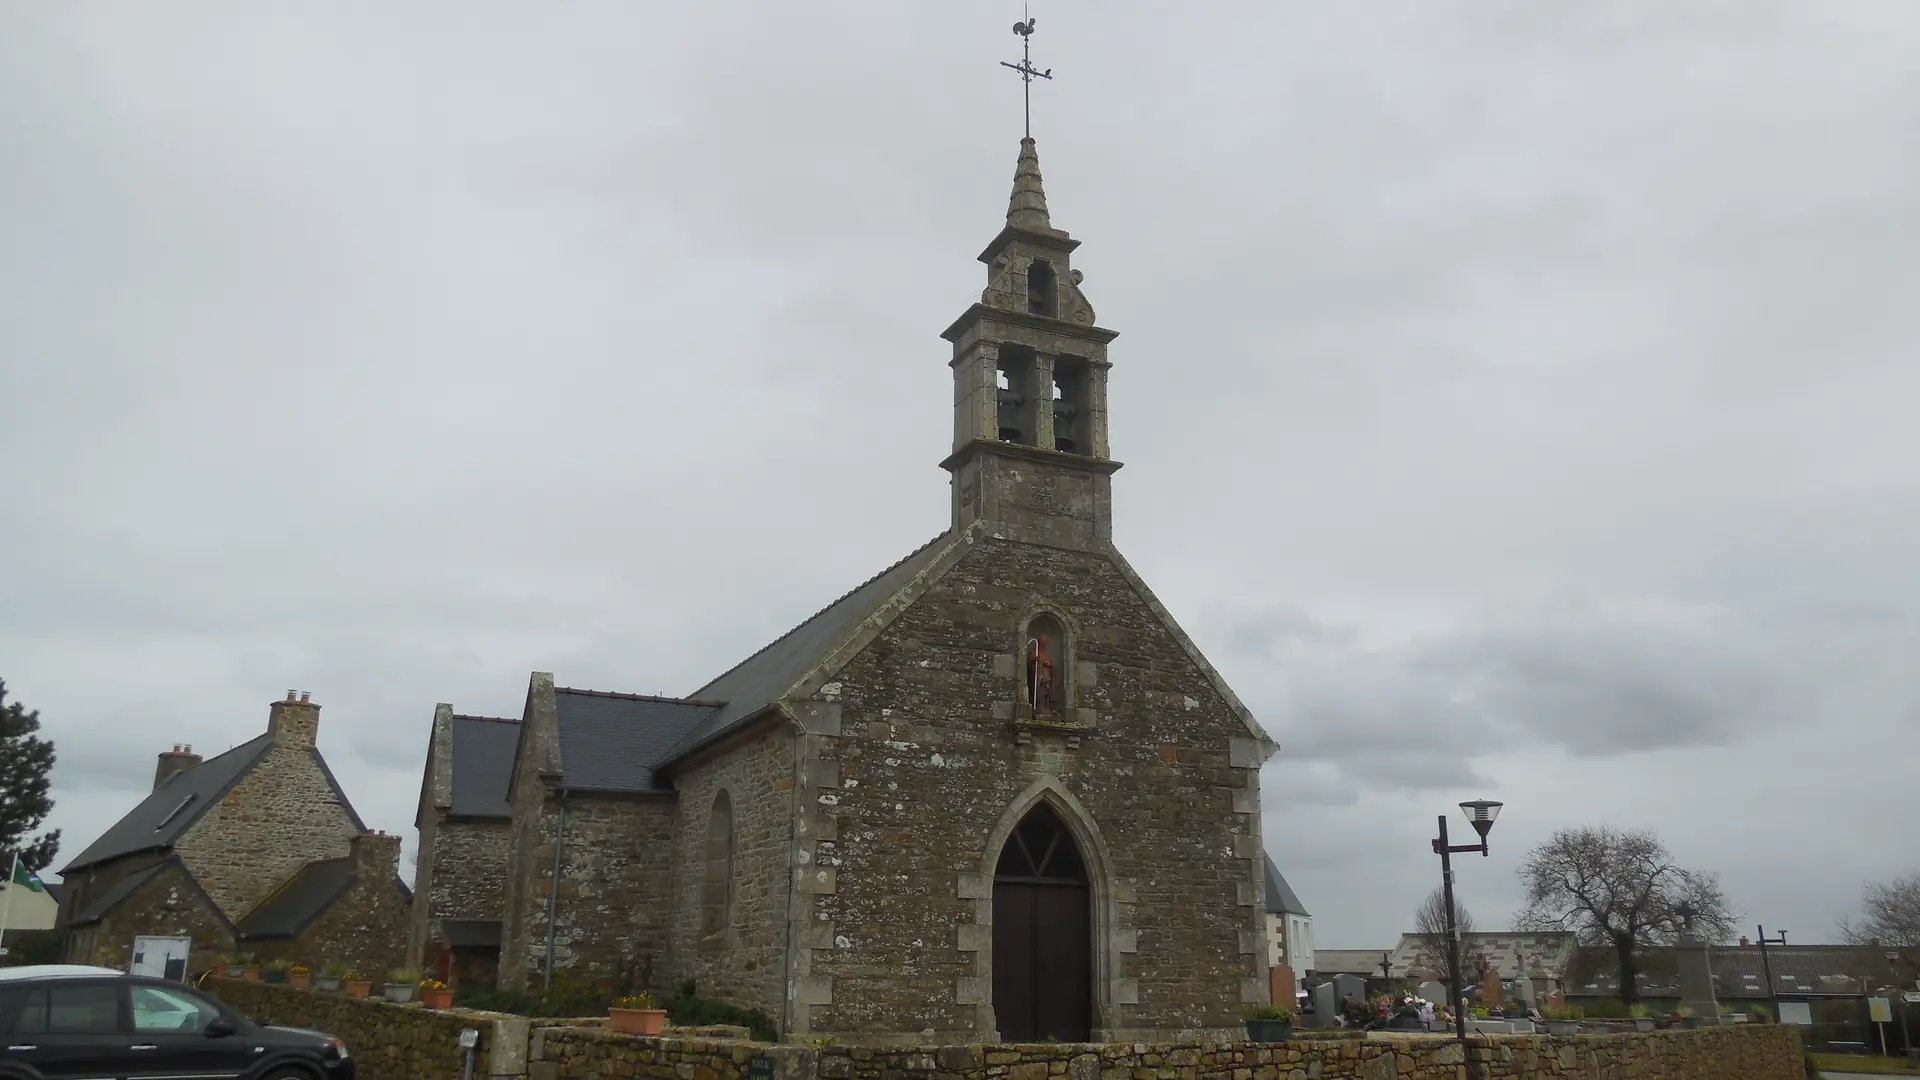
<point x="994" y="792"/>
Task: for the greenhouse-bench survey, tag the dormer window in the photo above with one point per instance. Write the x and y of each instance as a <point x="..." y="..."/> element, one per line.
<point x="174" y="813"/>
<point x="1040" y="288"/>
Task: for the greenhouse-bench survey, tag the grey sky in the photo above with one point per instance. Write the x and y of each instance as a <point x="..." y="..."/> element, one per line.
<point x="1514" y="399"/>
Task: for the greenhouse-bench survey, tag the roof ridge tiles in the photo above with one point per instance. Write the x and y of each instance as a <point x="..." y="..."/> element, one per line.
<point x="661" y="698"/>
<point x="488" y="719"/>
<point x="891" y="567"/>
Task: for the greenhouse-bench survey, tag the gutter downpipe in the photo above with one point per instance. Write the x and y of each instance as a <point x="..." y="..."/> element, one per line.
<point x="553" y="892"/>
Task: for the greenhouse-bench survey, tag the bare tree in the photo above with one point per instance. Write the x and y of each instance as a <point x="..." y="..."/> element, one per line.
<point x="1622" y="890"/>
<point x="1889" y="917"/>
<point x="1430" y="922"/>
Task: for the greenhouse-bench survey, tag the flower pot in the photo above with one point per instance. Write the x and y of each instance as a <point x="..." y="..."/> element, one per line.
<point x="1563" y="1027"/>
<point x="251" y="974"/>
<point x="218" y="970"/>
<point x="1689" y="1022"/>
<point x="328" y="983"/>
<point x="637" y="1021"/>
<point x="274" y="977"/>
<point x="1643" y="1023"/>
<point x="300" y="980"/>
<point x="437" y="999"/>
<point x="359" y="987"/>
<point x="400" y="993"/>
<point x="1269" y="1031"/>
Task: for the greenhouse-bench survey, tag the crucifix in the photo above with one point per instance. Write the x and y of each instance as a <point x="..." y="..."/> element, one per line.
<point x="1025" y="67"/>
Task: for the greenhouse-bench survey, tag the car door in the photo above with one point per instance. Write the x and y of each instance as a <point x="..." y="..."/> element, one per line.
<point x="170" y="1035"/>
<point x="70" y="1030"/>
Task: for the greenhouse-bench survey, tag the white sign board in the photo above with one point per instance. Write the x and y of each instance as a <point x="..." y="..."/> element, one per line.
<point x="1796" y="1012"/>
<point x="1912" y="996"/>
<point x="1880" y="1010"/>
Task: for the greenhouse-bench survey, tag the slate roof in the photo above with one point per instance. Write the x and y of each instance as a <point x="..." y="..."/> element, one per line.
<point x="1280" y="897"/>
<point x="612" y="742"/>
<point x="1362" y="962"/>
<point x="483" y="749"/>
<point x="162" y="816"/>
<point x="110" y="899"/>
<point x="757" y="681"/>
<point x="300" y="900"/>
<point x="1798" y="971"/>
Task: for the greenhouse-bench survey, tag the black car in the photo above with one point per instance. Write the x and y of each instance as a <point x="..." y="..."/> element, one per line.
<point x="64" y="1022"/>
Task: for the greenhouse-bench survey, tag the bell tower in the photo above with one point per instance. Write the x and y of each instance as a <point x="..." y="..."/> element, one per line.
<point x="1030" y="453"/>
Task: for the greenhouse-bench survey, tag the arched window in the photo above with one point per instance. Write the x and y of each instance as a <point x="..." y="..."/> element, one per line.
<point x="1040" y="287"/>
<point x="717" y="896"/>
<point x="1043" y="665"/>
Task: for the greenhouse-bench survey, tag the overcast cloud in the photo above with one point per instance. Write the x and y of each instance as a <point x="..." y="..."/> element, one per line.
<point x="1515" y="400"/>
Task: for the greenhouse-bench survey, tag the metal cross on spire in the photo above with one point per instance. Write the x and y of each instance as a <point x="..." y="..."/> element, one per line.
<point x="1025" y="67"/>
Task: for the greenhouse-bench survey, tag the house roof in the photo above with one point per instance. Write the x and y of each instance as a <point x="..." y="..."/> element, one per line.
<point x="119" y="891"/>
<point x="299" y="900"/>
<point x="760" y="679"/>
<point x="1739" y="972"/>
<point x="612" y="742"/>
<point x="1280" y="897"/>
<point x="483" y="748"/>
<point x="159" y="819"/>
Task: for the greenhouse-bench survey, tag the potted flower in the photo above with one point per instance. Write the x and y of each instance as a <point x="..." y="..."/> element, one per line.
<point x="356" y="984"/>
<point x="402" y="984"/>
<point x="249" y="967"/>
<point x="1685" y="1017"/>
<point x="330" y="975"/>
<point x="1268" y="1023"/>
<point x="273" y="971"/>
<point x="637" y="1014"/>
<point x="435" y="994"/>
<point x="299" y="976"/>
<point x="1642" y="1018"/>
<point x="220" y="964"/>
<point x="1564" y="1019"/>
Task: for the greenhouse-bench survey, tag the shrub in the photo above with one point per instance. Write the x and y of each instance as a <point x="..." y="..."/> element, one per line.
<point x="274" y="965"/>
<point x="432" y="985"/>
<point x="1267" y="1012"/>
<point x="1565" y="1012"/>
<point x="351" y="975"/>
<point x="297" y="969"/>
<point x="403" y="976"/>
<point x="1813" y="1067"/>
<point x="640" y="1000"/>
<point x="687" y="1009"/>
<point x="334" y="969"/>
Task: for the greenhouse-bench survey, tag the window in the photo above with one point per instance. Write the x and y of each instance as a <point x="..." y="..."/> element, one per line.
<point x="82" y="1009"/>
<point x="718" y="897"/>
<point x="155" y="1009"/>
<point x="174" y="813"/>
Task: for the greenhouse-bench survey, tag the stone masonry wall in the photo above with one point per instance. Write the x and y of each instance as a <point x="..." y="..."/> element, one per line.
<point x="469" y="868"/>
<point x="165" y="906"/>
<point x="281" y="816"/>
<point x="744" y="965"/>
<point x="924" y="776"/>
<point x="365" y="929"/>
<point x="611" y="913"/>
<point x="1735" y="1053"/>
<point x="388" y="1041"/>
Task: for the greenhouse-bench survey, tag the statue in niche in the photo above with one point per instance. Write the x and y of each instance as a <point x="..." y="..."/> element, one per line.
<point x="1039" y="676"/>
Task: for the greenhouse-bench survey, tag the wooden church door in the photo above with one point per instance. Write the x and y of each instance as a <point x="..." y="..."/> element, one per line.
<point x="1042" y="934"/>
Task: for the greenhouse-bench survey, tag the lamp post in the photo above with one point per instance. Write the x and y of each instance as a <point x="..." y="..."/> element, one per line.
<point x="1480" y="813"/>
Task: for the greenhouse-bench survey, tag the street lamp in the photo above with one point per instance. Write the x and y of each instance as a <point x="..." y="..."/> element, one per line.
<point x="1480" y="813"/>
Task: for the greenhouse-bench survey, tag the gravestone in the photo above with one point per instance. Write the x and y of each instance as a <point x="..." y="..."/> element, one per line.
<point x="1696" y="977"/>
<point x="1434" y="992"/>
<point x="1489" y="983"/>
<point x="1523" y="992"/>
<point x="1326" y="1005"/>
<point x="1345" y="986"/>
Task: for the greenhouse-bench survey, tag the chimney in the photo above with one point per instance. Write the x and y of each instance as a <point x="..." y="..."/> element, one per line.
<point x="174" y="762"/>
<point x="376" y="855"/>
<point x="294" y="722"/>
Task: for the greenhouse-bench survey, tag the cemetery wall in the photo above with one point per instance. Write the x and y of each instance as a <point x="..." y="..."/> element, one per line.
<point x="387" y="1041"/>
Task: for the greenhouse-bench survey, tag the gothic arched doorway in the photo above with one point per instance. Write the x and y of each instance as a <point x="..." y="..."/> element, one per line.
<point x="1042" y="934"/>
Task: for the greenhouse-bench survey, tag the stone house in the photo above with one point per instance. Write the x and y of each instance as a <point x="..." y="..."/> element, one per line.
<point x="994" y="792"/>
<point x="254" y="850"/>
<point x="465" y="828"/>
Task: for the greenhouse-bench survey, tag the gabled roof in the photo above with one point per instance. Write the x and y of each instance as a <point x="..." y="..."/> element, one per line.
<point x="483" y="748"/>
<point x="300" y="900"/>
<point x="611" y="742"/>
<point x="103" y="904"/>
<point x="1280" y="897"/>
<point x="162" y="816"/>
<point x="760" y="679"/>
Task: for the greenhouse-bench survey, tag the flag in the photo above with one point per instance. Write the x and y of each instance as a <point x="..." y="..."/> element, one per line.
<point x="26" y="877"/>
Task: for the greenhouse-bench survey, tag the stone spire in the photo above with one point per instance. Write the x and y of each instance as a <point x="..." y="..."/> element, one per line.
<point x="1027" y="210"/>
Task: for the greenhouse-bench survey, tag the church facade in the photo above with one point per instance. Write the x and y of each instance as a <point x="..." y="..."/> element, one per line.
<point x="994" y="792"/>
